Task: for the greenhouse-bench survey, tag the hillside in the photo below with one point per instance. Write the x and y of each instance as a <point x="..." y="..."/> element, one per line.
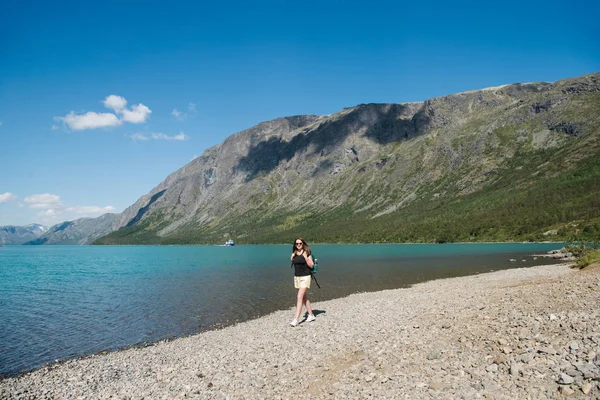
<point x="11" y="234"/>
<point x="79" y="231"/>
<point x="516" y="162"/>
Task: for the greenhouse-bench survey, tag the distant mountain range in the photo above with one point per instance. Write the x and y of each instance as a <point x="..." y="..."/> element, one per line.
<point x="79" y="231"/>
<point x="11" y="234"/>
<point x="517" y="162"/>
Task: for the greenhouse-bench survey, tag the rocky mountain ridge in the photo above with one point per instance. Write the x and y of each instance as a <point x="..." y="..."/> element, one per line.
<point x="11" y="234"/>
<point x="368" y="163"/>
<point x="492" y="164"/>
<point x="79" y="231"/>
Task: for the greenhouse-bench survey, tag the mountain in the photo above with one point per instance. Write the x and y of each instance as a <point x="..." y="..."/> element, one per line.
<point x="79" y="231"/>
<point x="515" y="162"/>
<point x="11" y="234"/>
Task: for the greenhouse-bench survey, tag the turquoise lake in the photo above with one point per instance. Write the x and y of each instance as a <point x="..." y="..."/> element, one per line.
<point x="61" y="302"/>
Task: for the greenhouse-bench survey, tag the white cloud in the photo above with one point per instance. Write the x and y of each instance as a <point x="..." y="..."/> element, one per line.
<point x="159" y="136"/>
<point x="89" y="120"/>
<point x="136" y="114"/>
<point x="53" y="210"/>
<point x="54" y="128"/>
<point x="178" y="114"/>
<point x="115" y="102"/>
<point x="44" y="201"/>
<point x="90" y="211"/>
<point x="180" y="136"/>
<point x="50" y="209"/>
<point x="6" y="197"/>
<point x="139" y="136"/>
<point x="47" y="213"/>
<point x="192" y="107"/>
<point x="139" y="113"/>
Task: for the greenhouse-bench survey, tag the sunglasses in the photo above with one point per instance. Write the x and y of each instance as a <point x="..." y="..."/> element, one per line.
<point x="298" y="242"/>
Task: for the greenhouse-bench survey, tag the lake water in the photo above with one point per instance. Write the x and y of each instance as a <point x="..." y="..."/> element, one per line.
<point x="60" y="302"/>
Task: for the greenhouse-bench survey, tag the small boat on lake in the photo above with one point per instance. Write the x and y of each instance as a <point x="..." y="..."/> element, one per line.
<point x="229" y="243"/>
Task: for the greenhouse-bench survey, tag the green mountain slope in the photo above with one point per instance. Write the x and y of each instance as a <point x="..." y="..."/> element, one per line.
<point x="518" y="162"/>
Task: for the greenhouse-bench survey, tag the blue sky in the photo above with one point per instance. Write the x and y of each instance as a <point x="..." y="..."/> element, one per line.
<point x="100" y="101"/>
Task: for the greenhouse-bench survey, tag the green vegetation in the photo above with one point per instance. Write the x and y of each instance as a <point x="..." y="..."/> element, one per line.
<point x="513" y="208"/>
<point x="557" y="206"/>
<point x="518" y="171"/>
<point x="585" y="253"/>
<point x="593" y="257"/>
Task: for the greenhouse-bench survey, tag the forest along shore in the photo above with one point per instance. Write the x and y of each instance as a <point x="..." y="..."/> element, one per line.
<point x="518" y="333"/>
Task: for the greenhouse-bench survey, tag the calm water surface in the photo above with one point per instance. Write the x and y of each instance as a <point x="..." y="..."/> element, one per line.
<point x="60" y="302"/>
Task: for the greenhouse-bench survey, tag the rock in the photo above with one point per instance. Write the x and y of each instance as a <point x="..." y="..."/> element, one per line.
<point x="574" y="346"/>
<point x="566" y="390"/>
<point x="381" y="356"/>
<point x="526" y="357"/>
<point x="573" y="372"/>
<point x="492" y="368"/>
<point x="590" y="356"/>
<point x="500" y="359"/>
<point x="589" y="371"/>
<point x="524" y="333"/>
<point x="546" y="350"/>
<point x="565" y="379"/>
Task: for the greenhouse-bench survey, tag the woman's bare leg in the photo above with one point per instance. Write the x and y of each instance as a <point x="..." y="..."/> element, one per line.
<point x="307" y="303"/>
<point x="299" y="301"/>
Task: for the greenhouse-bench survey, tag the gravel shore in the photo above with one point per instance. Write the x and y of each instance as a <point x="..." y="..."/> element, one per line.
<point x="530" y="333"/>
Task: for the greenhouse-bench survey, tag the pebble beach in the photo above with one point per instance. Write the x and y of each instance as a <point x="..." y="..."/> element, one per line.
<point x="527" y="333"/>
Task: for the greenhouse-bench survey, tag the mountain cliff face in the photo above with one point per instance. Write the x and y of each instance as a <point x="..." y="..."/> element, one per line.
<point x="20" y="234"/>
<point x="79" y="231"/>
<point x="510" y="162"/>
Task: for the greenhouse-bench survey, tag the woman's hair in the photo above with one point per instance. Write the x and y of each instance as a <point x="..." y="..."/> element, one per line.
<point x="305" y="246"/>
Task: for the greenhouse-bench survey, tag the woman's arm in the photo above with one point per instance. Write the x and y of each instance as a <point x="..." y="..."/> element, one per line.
<point x="309" y="261"/>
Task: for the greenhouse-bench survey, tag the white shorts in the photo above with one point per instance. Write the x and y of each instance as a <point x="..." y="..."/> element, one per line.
<point x="302" y="282"/>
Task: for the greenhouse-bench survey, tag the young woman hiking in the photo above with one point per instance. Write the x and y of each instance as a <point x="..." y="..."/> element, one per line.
<point x="303" y="263"/>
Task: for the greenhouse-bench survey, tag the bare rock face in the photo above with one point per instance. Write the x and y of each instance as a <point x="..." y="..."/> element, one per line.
<point x="79" y="231"/>
<point x="11" y="234"/>
<point x="368" y="162"/>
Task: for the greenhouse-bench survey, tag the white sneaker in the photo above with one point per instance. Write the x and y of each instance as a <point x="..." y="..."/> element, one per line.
<point x="294" y="322"/>
<point x="310" y="318"/>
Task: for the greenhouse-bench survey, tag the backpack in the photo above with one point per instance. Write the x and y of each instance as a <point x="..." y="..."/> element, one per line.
<point x="315" y="267"/>
<point x="314" y="270"/>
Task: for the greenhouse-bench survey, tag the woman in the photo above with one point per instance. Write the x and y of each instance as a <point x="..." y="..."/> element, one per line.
<point x="303" y="263"/>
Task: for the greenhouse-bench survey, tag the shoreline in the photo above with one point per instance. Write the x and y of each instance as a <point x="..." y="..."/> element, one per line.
<point x="510" y="333"/>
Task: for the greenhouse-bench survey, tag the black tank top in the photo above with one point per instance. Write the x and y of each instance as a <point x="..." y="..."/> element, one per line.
<point x="300" y="266"/>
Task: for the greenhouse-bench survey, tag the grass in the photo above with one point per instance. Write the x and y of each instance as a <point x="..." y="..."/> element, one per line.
<point x="487" y="181"/>
<point x="585" y="253"/>
<point x="592" y="257"/>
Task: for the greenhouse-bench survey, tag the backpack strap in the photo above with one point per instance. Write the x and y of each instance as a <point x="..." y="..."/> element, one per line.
<point x="315" y="279"/>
